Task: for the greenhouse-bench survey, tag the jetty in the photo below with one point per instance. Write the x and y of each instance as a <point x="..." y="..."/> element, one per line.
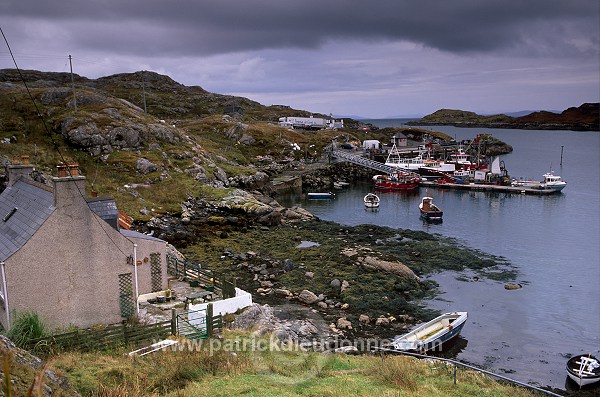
<point x="482" y="187"/>
<point x="351" y="157"/>
<point x="362" y="161"/>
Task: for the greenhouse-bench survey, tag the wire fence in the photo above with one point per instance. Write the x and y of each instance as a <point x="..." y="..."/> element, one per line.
<point x="471" y="367"/>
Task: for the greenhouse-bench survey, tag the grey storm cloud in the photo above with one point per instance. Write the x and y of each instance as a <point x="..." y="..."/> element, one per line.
<point x="208" y="27"/>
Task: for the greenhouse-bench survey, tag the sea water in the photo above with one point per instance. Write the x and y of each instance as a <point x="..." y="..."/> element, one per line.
<point x="553" y="241"/>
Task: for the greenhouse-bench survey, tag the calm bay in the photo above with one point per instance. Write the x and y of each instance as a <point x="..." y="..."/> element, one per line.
<point x="553" y="241"/>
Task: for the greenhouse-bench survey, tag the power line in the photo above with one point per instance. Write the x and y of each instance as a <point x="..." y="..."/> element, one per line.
<point x="56" y="147"/>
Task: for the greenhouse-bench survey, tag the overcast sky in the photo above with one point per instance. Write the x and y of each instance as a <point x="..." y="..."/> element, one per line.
<point x="377" y="58"/>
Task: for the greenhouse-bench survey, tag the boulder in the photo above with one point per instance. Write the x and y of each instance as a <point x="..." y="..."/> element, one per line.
<point x="145" y="166"/>
<point x="308" y="297"/>
<point x="512" y="286"/>
<point x="344" y="286"/>
<point x="363" y="318"/>
<point x="24" y="367"/>
<point x="397" y="268"/>
<point x="282" y="292"/>
<point x="382" y="321"/>
<point x="343" y="323"/>
<point x="347" y="350"/>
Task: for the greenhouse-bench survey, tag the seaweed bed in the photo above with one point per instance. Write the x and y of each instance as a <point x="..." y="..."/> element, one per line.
<point x="371" y="291"/>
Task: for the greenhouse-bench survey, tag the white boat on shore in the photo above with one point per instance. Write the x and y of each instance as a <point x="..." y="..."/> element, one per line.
<point x="371" y="200"/>
<point x="550" y="182"/>
<point x="433" y="334"/>
<point x="584" y="369"/>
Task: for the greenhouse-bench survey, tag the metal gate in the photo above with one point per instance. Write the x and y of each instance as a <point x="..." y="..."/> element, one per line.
<point x="193" y="324"/>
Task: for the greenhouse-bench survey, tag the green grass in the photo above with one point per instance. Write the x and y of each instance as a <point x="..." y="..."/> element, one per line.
<point x="268" y="373"/>
<point x="25" y="326"/>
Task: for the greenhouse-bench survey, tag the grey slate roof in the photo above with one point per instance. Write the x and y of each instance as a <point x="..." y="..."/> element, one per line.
<point x="132" y="233"/>
<point x="105" y="208"/>
<point x="33" y="206"/>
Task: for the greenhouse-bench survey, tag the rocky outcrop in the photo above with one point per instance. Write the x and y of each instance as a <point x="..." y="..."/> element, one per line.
<point x="396" y="267"/>
<point x="240" y="209"/>
<point x="258" y="181"/>
<point x="109" y="130"/>
<point x="25" y="368"/>
<point x="287" y="323"/>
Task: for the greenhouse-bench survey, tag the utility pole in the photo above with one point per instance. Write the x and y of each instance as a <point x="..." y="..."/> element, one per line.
<point x="73" y="84"/>
<point x="144" y="90"/>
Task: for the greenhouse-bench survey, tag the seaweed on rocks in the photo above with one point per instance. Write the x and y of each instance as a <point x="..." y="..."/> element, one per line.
<point x="268" y="263"/>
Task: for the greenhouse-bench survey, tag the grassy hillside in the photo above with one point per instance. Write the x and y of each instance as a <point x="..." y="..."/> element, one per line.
<point x="184" y="133"/>
<point x="224" y="368"/>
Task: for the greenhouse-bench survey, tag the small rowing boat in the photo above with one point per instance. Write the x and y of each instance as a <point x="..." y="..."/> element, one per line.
<point x="583" y="369"/>
<point x="430" y="211"/>
<point x="371" y="200"/>
<point x="433" y="334"/>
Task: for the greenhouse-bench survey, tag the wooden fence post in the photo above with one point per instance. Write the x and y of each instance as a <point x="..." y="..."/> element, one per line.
<point x="173" y="322"/>
<point x="209" y="320"/>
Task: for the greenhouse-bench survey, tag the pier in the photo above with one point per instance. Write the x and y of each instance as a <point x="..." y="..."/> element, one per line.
<point x="362" y="161"/>
<point x="480" y="187"/>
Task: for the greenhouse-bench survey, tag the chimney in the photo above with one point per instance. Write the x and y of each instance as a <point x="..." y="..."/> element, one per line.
<point x="19" y="169"/>
<point x="69" y="186"/>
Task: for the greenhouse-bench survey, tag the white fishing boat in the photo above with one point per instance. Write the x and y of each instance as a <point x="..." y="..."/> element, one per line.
<point x="371" y="200"/>
<point x="320" y="196"/>
<point x="550" y="182"/>
<point x="433" y="334"/>
<point x="584" y="369"/>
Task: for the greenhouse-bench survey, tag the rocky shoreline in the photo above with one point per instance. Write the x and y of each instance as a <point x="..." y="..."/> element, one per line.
<point x="363" y="282"/>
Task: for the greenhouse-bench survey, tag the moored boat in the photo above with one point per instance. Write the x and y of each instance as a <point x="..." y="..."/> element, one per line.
<point x="320" y="196"/>
<point x="371" y="200"/>
<point x="433" y="334"/>
<point x="397" y="181"/>
<point x="430" y="211"/>
<point x="584" y="369"/>
<point x="550" y="182"/>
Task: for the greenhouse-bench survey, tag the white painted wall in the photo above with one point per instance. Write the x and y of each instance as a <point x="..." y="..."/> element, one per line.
<point x="241" y="300"/>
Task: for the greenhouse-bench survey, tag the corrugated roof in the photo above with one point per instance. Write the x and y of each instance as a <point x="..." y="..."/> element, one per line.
<point x="30" y="206"/>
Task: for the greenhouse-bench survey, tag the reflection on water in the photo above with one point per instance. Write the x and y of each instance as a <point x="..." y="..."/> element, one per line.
<point x="307" y="244"/>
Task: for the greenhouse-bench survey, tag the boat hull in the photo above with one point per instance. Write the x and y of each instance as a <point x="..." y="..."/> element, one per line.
<point x="384" y="182"/>
<point x="430" y="211"/>
<point x="432" y="215"/>
<point x="433" y="334"/>
<point x="320" y="196"/>
<point x="371" y="201"/>
<point x="581" y="379"/>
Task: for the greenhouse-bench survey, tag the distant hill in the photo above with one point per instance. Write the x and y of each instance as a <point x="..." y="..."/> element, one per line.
<point x="583" y="118"/>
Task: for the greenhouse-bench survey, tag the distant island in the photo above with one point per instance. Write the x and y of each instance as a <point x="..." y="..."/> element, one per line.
<point x="583" y="118"/>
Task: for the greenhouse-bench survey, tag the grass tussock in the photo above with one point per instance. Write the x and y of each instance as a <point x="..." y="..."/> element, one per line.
<point x="400" y="371"/>
<point x="26" y="326"/>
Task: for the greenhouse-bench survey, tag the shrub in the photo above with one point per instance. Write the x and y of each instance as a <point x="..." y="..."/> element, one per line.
<point x="26" y="326"/>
